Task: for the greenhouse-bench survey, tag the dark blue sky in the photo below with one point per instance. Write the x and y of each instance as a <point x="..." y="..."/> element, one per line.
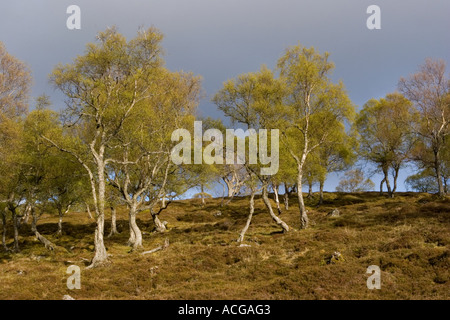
<point x="221" y="39"/>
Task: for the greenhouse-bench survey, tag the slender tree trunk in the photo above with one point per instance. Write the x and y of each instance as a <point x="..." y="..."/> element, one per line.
<point x="159" y="226"/>
<point x="230" y="188"/>
<point x="445" y="185"/>
<point x="440" y="183"/>
<point x="321" y="183"/>
<point x="286" y="196"/>
<point x="4" y="230"/>
<point x="16" y="228"/>
<point x="249" y="219"/>
<point x="27" y="214"/>
<point x="47" y="243"/>
<point x="381" y="186"/>
<point x="388" y="185"/>
<point x="135" y="233"/>
<point x="202" y="194"/>
<point x="277" y="199"/>
<point x="88" y="210"/>
<point x="60" y="220"/>
<point x="113" y="222"/>
<point x="100" y="254"/>
<point x="163" y="201"/>
<point x="230" y="192"/>
<point x="396" y="171"/>
<point x="310" y="193"/>
<point x="304" y="221"/>
<point x="266" y="200"/>
<point x="286" y="200"/>
<point x="230" y="198"/>
<point x="98" y="188"/>
<point x="223" y="194"/>
<point x="437" y="169"/>
<point x="132" y="238"/>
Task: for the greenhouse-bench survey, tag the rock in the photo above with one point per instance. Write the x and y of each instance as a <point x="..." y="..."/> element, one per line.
<point x="67" y="297"/>
<point x="336" y="257"/>
<point x="217" y="213"/>
<point x="36" y="258"/>
<point x="334" y="213"/>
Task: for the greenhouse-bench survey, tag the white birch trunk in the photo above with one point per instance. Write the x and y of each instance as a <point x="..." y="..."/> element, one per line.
<point x="249" y="219"/>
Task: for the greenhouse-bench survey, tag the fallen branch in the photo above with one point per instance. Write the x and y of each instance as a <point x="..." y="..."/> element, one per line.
<point x="47" y="243"/>
<point x="164" y="246"/>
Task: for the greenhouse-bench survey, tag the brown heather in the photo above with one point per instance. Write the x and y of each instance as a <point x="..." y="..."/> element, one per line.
<point x="408" y="237"/>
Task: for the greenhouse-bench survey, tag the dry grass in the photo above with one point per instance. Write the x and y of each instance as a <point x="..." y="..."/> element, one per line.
<point x="408" y="237"/>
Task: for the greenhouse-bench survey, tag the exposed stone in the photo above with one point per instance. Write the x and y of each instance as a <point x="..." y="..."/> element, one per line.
<point x="335" y="257"/>
<point x="334" y="213"/>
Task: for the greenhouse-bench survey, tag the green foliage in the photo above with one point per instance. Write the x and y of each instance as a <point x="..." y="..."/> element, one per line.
<point x="15" y="84"/>
<point x="384" y="130"/>
<point x="314" y="105"/>
<point x="424" y="181"/>
<point x="253" y="99"/>
<point x="429" y="91"/>
<point x="354" y="181"/>
<point x="122" y="106"/>
<point x="53" y="178"/>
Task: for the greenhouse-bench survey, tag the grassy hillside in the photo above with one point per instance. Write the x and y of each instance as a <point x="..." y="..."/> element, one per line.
<point x="407" y="237"/>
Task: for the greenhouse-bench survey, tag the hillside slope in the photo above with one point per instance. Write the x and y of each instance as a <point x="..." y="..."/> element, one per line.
<point x="408" y="237"/>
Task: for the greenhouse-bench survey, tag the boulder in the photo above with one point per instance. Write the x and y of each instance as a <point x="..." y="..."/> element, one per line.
<point x="334" y="213"/>
<point x="335" y="257"/>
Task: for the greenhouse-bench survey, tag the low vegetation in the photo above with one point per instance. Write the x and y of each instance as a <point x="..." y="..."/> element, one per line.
<point x="408" y="237"/>
<point x="97" y="183"/>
